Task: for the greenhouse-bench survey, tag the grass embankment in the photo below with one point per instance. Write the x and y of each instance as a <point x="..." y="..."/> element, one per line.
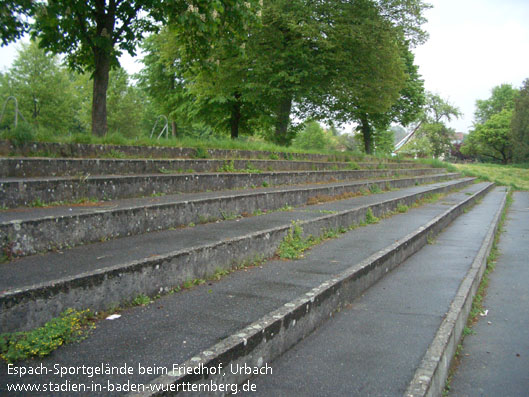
<point x="207" y="142"/>
<point x="515" y="175"/>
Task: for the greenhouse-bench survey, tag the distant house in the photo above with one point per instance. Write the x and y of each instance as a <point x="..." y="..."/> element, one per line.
<point x="457" y="138"/>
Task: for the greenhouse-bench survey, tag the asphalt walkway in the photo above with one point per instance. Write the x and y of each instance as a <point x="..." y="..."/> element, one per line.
<point x="374" y="347"/>
<point x="495" y="360"/>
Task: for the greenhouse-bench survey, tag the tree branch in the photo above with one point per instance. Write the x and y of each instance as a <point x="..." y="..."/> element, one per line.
<point x="82" y="24"/>
<point x="126" y="24"/>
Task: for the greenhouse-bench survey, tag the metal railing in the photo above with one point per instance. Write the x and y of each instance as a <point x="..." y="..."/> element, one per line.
<point x="17" y="112"/>
<point x="164" y="129"/>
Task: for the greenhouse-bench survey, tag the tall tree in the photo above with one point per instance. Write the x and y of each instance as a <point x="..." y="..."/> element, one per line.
<point x="520" y="124"/>
<point x="491" y="137"/>
<point x="433" y="137"/>
<point x="94" y="33"/>
<point x="502" y="97"/>
<point x="406" y="107"/>
<point x="164" y="83"/>
<point x="204" y="74"/>
<point x="43" y="89"/>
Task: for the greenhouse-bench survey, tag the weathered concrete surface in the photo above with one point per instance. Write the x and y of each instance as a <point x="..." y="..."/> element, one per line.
<point x="88" y="150"/>
<point x="24" y="167"/>
<point x="373" y="347"/>
<point x="24" y="191"/>
<point x="181" y="326"/>
<point x="95" y="276"/>
<point x="28" y="232"/>
<point x="430" y="376"/>
<point x="495" y="360"/>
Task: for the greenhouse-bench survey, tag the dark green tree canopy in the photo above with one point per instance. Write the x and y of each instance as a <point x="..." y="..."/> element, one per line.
<point x="14" y="19"/>
<point x="520" y="124"/>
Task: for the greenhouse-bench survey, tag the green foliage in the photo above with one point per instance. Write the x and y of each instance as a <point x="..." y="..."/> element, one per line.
<point x="313" y="137"/>
<point x="439" y="138"/>
<point x="502" y="97"/>
<point x="402" y="208"/>
<point x="22" y="134"/>
<point x="404" y="108"/>
<point x="374" y="189"/>
<point x="384" y="142"/>
<point x="520" y="124"/>
<point x="141" y="300"/>
<point x="432" y="137"/>
<point x="492" y="139"/>
<point x="201" y="153"/>
<point x="40" y="342"/>
<point x="45" y="94"/>
<point x="229" y="166"/>
<point x="370" y="218"/>
<point x="294" y="244"/>
<point x="14" y="19"/>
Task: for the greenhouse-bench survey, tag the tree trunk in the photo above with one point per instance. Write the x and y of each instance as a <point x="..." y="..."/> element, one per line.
<point x="235" y="118"/>
<point x="99" y="99"/>
<point x="367" y="133"/>
<point x="174" y="129"/>
<point x="283" y="119"/>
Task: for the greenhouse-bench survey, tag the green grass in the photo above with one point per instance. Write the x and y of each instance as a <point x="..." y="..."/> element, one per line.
<point x="200" y="144"/>
<point x="438" y="164"/>
<point x="515" y="175"/>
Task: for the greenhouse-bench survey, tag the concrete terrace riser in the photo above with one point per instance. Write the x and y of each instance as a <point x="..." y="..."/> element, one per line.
<point x="36" y="167"/>
<point x="30" y="237"/>
<point x="102" y="289"/>
<point x="89" y="150"/>
<point x="266" y="339"/>
<point x="23" y="192"/>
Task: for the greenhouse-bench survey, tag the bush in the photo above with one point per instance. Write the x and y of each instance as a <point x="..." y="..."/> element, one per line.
<point x="22" y="134"/>
<point x="82" y="138"/>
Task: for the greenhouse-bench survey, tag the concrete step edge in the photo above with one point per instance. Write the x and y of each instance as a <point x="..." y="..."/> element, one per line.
<point x="22" y="238"/>
<point x="430" y="377"/>
<point x="95" y="150"/>
<point x="100" y="289"/>
<point x="263" y="340"/>
<point x="25" y="191"/>
<point x="31" y="167"/>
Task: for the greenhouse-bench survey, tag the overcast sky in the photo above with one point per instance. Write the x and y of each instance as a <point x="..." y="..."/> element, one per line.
<point x="474" y="45"/>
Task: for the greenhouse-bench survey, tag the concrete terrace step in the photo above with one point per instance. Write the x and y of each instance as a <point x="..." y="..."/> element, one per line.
<point x="97" y="151"/>
<point x="28" y="231"/>
<point x="25" y="191"/>
<point x="103" y="274"/>
<point x="255" y="315"/>
<point x="375" y="346"/>
<point x="23" y="167"/>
